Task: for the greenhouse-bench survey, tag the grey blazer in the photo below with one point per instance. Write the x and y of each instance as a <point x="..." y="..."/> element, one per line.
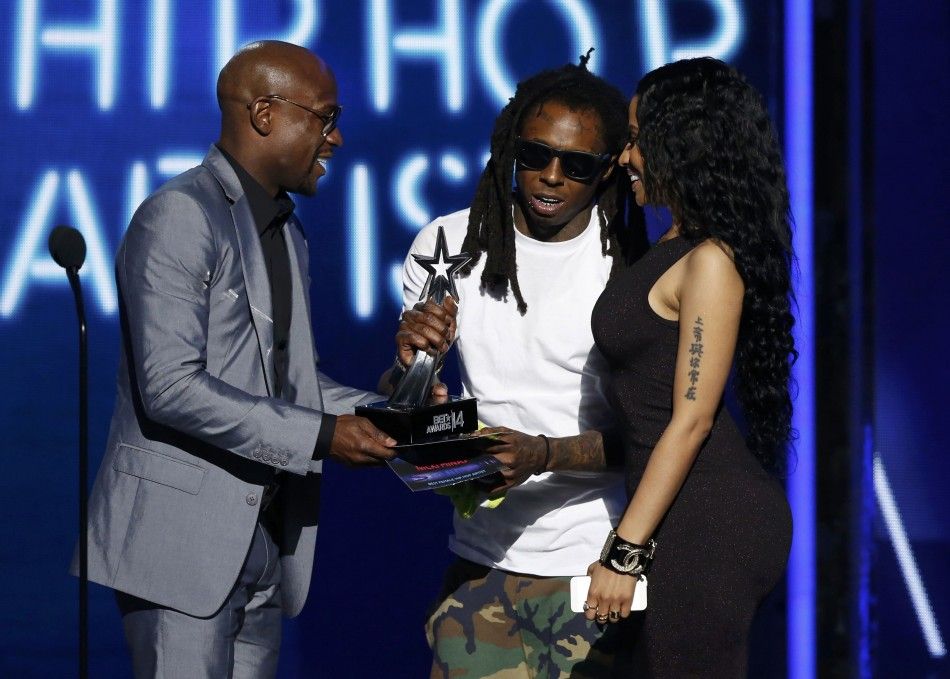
<point x="195" y="434"/>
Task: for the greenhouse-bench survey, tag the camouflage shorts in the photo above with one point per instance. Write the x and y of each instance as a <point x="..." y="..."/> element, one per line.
<point x="490" y="623"/>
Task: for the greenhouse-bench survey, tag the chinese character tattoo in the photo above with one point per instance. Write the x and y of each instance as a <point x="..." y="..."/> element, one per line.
<point x="695" y="358"/>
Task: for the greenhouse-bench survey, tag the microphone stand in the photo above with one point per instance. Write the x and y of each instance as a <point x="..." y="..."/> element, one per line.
<point x="73" y="274"/>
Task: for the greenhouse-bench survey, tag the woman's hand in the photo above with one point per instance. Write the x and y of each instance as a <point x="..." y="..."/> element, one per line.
<point x="610" y="596"/>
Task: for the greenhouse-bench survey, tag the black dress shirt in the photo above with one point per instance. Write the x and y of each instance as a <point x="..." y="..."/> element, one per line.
<point x="269" y="215"/>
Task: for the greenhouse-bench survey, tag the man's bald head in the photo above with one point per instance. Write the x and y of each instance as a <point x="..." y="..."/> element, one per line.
<point x="276" y="99"/>
<point x="266" y="67"/>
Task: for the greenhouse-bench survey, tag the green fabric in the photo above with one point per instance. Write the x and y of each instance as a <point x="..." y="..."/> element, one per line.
<point x="493" y="624"/>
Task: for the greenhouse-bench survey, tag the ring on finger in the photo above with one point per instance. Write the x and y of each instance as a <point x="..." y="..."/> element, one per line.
<point x="602" y="619"/>
<point x="588" y="607"/>
<point x="614" y="616"/>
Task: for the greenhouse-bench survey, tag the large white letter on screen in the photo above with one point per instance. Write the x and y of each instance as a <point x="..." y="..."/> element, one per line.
<point x="29" y="261"/>
<point x="97" y="38"/>
<point x="408" y="195"/>
<point x="443" y="43"/>
<point x="158" y="70"/>
<point x="362" y="239"/>
<point x="408" y="186"/>
<point x="301" y="32"/>
<point x="490" y="45"/>
<point x="722" y="42"/>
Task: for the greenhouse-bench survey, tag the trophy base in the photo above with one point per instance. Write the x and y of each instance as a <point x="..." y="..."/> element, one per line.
<point x="424" y="423"/>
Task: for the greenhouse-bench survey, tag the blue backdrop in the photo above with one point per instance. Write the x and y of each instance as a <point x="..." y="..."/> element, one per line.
<point x="910" y="244"/>
<point x="102" y="100"/>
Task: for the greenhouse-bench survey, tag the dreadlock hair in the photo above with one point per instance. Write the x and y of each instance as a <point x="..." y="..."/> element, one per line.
<point x="711" y="154"/>
<point x="490" y="223"/>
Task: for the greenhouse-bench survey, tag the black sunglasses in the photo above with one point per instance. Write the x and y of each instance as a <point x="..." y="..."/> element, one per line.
<point x="577" y="165"/>
<point x="329" y="119"/>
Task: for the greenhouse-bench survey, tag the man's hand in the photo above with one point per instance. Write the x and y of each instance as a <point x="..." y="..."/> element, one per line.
<point x="357" y="442"/>
<point x="522" y="455"/>
<point x="427" y="326"/>
<point x="439" y="393"/>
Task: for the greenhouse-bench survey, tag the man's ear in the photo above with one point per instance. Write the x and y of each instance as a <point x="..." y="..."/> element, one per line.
<point x="259" y="112"/>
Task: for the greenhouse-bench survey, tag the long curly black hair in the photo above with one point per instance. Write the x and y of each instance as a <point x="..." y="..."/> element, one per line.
<point x="490" y="223"/>
<point x="711" y="154"/>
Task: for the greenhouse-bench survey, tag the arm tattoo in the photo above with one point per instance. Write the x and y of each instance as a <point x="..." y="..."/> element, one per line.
<point x="584" y="452"/>
<point x="695" y="357"/>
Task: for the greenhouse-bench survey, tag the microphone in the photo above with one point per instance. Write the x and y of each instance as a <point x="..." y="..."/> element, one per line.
<point x="68" y="247"/>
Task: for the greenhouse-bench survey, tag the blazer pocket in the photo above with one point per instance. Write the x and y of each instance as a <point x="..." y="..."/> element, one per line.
<point x="158" y="468"/>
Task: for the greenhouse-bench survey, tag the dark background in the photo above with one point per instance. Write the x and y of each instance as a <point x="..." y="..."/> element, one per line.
<point x="381" y="551"/>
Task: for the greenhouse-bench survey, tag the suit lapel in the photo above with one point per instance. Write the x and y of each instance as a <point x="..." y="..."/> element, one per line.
<point x="256" y="283"/>
<point x="302" y="374"/>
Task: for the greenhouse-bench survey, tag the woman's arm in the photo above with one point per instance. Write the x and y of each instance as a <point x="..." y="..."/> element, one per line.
<point x="710" y="305"/>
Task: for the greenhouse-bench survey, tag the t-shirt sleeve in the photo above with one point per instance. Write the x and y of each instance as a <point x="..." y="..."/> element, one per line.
<point x="413" y="275"/>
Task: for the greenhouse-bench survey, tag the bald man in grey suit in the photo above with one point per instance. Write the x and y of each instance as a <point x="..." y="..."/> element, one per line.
<point x="203" y="516"/>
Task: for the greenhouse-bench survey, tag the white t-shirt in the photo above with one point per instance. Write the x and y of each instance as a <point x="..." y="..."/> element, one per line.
<point x="540" y="374"/>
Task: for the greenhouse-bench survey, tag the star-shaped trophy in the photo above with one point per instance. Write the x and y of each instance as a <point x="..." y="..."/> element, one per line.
<point x="442" y="268"/>
<point x="429" y="432"/>
<point x="414" y="388"/>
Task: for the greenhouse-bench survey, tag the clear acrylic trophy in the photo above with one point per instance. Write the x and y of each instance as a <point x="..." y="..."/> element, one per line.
<point x="408" y="416"/>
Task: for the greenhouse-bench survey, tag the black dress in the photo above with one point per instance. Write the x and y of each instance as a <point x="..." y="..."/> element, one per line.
<point x="724" y="542"/>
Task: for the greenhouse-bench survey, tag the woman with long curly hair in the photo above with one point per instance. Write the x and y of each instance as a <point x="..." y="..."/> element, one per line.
<point x="712" y="293"/>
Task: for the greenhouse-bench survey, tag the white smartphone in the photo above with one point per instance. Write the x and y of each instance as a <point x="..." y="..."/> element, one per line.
<point x="581" y="583"/>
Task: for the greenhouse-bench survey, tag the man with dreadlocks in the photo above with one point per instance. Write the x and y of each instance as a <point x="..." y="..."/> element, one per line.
<point x="542" y="255"/>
